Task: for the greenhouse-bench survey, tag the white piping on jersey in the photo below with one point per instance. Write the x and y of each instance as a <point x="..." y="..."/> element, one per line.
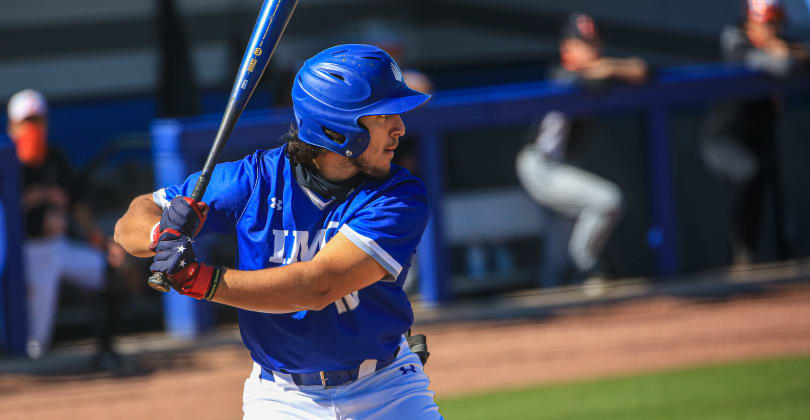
<point x="320" y="204"/>
<point x="372" y="248"/>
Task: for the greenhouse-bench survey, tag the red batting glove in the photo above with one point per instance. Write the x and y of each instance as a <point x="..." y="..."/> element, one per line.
<point x="197" y="280"/>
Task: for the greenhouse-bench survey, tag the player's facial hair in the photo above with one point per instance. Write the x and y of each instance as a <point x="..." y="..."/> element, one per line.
<point x="363" y="166"/>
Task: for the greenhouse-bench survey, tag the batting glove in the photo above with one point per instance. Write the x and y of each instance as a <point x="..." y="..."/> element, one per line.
<point x="182" y="217"/>
<point x="189" y="277"/>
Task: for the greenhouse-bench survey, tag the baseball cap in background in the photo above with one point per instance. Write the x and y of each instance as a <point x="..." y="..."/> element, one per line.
<point x="764" y="11"/>
<point x="25" y="104"/>
<point x="581" y="26"/>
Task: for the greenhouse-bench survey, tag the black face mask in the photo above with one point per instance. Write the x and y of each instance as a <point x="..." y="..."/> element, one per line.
<point x="310" y="178"/>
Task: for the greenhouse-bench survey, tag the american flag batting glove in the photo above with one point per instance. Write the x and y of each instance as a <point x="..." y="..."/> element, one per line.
<point x="187" y="275"/>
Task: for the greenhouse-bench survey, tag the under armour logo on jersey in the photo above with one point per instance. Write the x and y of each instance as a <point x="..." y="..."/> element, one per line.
<point x="275" y="204"/>
<point x="397" y="72"/>
<point x="405" y="370"/>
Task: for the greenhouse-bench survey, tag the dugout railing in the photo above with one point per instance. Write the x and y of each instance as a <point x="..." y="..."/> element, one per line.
<point x="12" y="287"/>
<point x="180" y="146"/>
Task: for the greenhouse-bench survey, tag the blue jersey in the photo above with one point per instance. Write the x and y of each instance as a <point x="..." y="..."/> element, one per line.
<point x="279" y="222"/>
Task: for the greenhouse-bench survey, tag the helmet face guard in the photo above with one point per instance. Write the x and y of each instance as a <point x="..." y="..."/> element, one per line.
<point x="336" y="87"/>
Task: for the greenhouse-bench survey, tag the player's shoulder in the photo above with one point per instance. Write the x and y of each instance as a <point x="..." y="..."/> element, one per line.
<point x="560" y="74"/>
<point x="734" y="42"/>
<point x="260" y="159"/>
<point x="400" y="183"/>
<point x="403" y="178"/>
<point x="265" y="156"/>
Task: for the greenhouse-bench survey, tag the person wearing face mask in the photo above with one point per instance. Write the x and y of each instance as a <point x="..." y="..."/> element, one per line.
<point x="51" y="204"/>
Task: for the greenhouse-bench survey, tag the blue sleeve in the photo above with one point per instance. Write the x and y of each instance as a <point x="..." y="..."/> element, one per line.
<point x="390" y="227"/>
<point x="228" y="192"/>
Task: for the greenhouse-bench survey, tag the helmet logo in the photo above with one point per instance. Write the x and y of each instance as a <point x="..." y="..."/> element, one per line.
<point x="397" y="73"/>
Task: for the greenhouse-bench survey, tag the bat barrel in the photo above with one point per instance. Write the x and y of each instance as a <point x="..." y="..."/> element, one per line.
<point x="270" y="25"/>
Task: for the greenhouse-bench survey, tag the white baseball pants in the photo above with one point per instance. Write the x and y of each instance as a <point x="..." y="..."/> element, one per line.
<point x="399" y="391"/>
<point x="47" y="263"/>
<point x="593" y="202"/>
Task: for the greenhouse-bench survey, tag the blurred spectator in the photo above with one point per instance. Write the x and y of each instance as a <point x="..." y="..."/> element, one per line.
<point x="593" y="203"/>
<point x="739" y="139"/>
<point x="51" y="201"/>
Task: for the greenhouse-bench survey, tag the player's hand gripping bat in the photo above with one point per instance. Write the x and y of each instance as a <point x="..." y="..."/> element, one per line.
<point x="270" y="25"/>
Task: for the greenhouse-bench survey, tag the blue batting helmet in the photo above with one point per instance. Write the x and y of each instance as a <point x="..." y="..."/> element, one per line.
<point x="336" y="87"/>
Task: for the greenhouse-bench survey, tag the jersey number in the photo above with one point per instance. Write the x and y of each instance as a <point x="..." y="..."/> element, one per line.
<point x="348" y="302"/>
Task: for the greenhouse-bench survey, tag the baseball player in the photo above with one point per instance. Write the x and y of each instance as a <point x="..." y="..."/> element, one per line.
<point x="326" y="226"/>
<point x="739" y="142"/>
<point x="543" y="166"/>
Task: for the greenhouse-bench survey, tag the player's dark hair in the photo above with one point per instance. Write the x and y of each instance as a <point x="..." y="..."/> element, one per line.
<point x="298" y="151"/>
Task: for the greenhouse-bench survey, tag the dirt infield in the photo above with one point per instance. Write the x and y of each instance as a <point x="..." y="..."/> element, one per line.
<point x="605" y="340"/>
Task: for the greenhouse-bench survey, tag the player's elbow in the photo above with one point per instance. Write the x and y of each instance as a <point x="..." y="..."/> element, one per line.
<point x="130" y="228"/>
<point x="321" y="296"/>
<point x="322" y="288"/>
<point x="319" y="303"/>
<point x="118" y="233"/>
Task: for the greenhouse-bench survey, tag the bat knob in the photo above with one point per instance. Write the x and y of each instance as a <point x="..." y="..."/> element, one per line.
<point x="158" y="282"/>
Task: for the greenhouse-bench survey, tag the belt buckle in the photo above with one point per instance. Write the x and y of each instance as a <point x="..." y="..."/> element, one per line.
<point x="323" y="379"/>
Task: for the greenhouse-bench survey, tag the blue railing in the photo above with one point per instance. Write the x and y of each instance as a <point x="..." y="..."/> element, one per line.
<point x="180" y="146"/>
<point x="12" y="287"/>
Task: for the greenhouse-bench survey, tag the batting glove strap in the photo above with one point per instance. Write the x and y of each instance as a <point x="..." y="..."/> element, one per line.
<point x="200" y="210"/>
<point x="166" y="235"/>
<point x="197" y="280"/>
<point x="183" y="216"/>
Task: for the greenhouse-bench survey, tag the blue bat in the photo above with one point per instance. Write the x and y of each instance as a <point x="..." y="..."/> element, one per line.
<point x="270" y="25"/>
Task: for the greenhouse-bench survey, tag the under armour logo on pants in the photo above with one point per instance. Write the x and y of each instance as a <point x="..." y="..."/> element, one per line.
<point x="406" y="370"/>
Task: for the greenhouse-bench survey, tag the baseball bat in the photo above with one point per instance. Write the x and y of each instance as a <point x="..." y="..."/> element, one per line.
<point x="273" y="18"/>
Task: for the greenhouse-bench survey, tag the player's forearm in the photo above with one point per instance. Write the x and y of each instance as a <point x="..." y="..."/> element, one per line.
<point x="284" y="289"/>
<point x="338" y="269"/>
<point x="633" y="70"/>
<point x="132" y="231"/>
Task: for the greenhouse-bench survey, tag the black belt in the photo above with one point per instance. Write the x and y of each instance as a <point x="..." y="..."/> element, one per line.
<point x="328" y="378"/>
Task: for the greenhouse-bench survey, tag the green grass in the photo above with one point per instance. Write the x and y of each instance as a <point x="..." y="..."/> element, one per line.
<point x="777" y="389"/>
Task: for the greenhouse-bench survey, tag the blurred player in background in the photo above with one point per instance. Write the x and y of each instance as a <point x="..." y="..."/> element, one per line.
<point x="739" y="139"/>
<point x="326" y="227"/>
<point x="52" y="203"/>
<point x="594" y="203"/>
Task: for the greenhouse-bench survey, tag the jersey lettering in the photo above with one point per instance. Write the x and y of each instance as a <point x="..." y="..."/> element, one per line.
<point x="301" y="249"/>
<point x="278" y="246"/>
